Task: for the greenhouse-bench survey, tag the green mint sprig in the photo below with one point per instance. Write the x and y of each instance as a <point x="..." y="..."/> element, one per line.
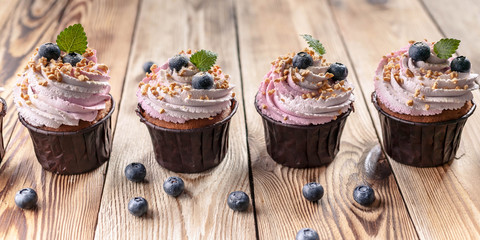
<point x="314" y="44"/>
<point x="446" y="47"/>
<point x="73" y="39"/>
<point x="203" y="59"/>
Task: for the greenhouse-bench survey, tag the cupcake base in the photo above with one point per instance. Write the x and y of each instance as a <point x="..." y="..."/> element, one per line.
<point x="190" y="150"/>
<point x="300" y="146"/>
<point x="190" y="124"/>
<point x="420" y="144"/>
<point x="3" y="112"/>
<point x="73" y="152"/>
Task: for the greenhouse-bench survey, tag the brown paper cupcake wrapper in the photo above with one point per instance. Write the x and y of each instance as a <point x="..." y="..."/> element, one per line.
<point x="73" y="152"/>
<point x="420" y="144"/>
<point x="300" y="146"/>
<point x="3" y="112"/>
<point x="190" y="150"/>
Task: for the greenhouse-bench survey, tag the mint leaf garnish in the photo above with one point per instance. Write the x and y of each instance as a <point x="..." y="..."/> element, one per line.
<point x="446" y="47"/>
<point x="73" y="39"/>
<point x="203" y="59"/>
<point x="314" y="44"/>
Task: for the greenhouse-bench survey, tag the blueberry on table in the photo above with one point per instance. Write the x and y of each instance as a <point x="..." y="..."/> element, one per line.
<point x="173" y="186"/>
<point x="135" y="172"/>
<point x="238" y="201"/>
<point x="419" y="51"/>
<point x="138" y="206"/>
<point x="302" y="60"/>
<point x="202" y="80"/>
<point x="338" y="70"/>
<point x="146" y="66"/>
<point x="307" y="234"/>
<point x="312" y="191"/>
<point x="177" y="62"/>
<point x="72" y="58"/>
<point x="49" y="51"/>
<point x="460" y="64"/>
<point x="26" y="198"/>
<point x="364" y="195"/>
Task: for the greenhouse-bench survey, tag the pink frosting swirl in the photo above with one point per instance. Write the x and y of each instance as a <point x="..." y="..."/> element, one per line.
<point x="303" y="96"/>
<point x="169" y="96"/>
<point x="422" y="88"/>
<point x="53" y="93"/>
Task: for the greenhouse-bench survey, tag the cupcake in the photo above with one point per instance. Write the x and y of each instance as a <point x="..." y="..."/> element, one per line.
<point x="63" y="99"/>
<point x="304" y="103"/>
<point x="187" y="104"/>
<point x="424" y="96"/>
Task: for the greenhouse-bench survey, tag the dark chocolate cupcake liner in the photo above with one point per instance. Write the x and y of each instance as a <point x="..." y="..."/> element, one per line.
<point x="3" y="112"/>
<point x="190" y="150"/>
<point x="421" y="144"/>
<point x="73" y="152"/>
<point x="303" y="146"/>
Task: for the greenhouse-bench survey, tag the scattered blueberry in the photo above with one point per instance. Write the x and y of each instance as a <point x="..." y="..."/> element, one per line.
<point x="146" y="66"/>
<point x="135" y="172"/>
<point x="419" y="51"/>
<point x="302" y="60"/>
<point x="178" y="62"/>
<point x="138" y="206"/>
<point x="173" y="186"/>
<point x="26" y="198"/>
<point x="313" y="191"/>
<point x="49" y="51"/>
<point x="460" y="64"/>
<point x="307" y="234"/>
<point x="72" y="58"/>
<point x="338" y="70"/>
<point x="364" y="195"/>
<point x="202" y="80"/>
<point x="238" y="201"/>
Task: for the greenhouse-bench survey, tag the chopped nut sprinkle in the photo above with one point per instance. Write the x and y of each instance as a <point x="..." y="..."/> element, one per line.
<point x="409" y="73"/>
<point x="417" y="92"/>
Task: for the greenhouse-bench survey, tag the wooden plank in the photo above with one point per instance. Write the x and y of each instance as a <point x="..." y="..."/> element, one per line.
<point x="280" y="206"/>
<point x="442" y="201"/>
<point x="68" y="205"/>
<point x="466" y="27"/>
<point x="201" y="212"/>
<point x="24" y="25"/>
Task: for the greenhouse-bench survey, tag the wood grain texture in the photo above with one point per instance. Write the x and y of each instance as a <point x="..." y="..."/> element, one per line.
<point x="466" y="27"/>
<point x="265" y="34"/>
<point x="201" y="212"/>
<point x="442" y="201"/>
<point x="24" y="25"/>
<point x="68" y="205"/>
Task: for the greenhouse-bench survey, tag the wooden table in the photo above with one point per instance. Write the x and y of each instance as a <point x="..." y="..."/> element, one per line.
<point x="412" y="203"/>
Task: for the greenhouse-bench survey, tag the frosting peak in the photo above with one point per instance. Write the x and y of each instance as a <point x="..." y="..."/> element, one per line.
<point x="168" y="94"/>
<point x="303" y="96"/>
<point x="422" y="88"/>
<point x="52" y="93"/>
